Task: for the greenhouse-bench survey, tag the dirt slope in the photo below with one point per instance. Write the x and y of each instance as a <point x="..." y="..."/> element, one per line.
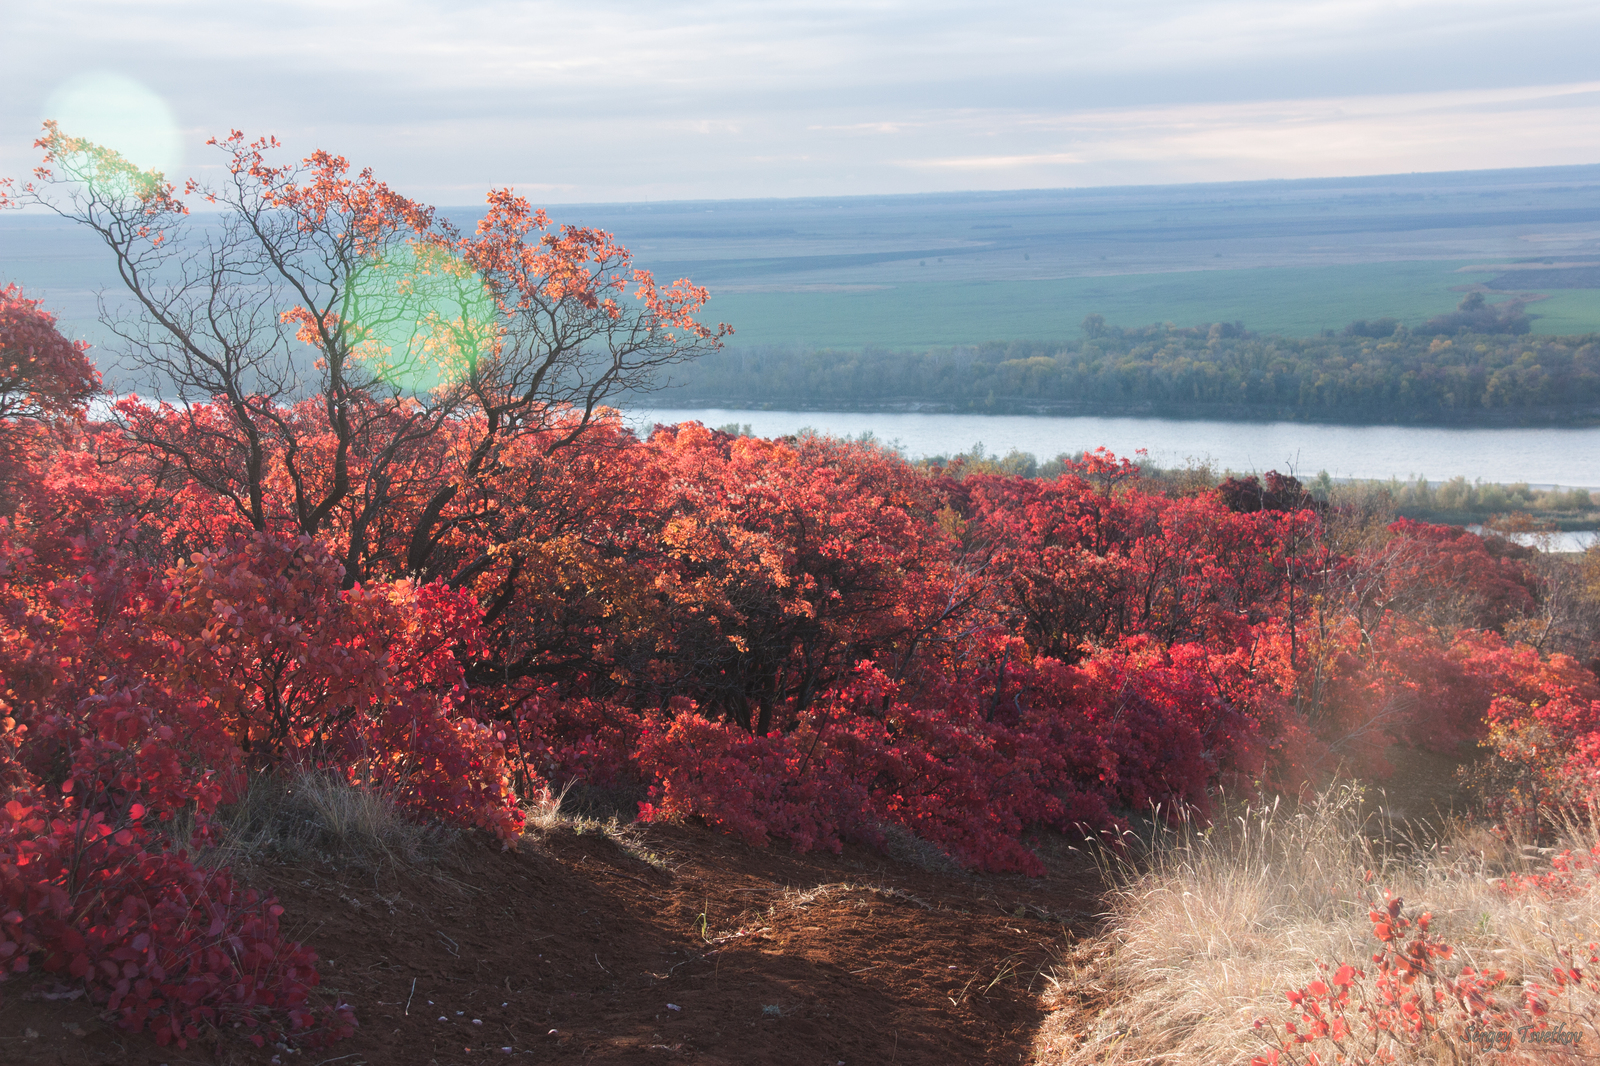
<point x="674" y="945"/>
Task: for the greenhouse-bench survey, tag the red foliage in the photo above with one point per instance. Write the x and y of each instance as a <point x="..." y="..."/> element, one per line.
<point x="1544" y="733"/>
<point x="93" y="749"/>
<point x="134" y="696"/>
<point x="1414" y="997"/>
<point x="366" y="680"/>
<point x="968" y="766"/>
<point x="1281" y="492"/>
<point x="1086" y="563"/>
<point x="459" y="593"/>
<point x="46" y="382"/>
<point x="43" y="376"/>
<point x="860" y="762"/>
<point x="1446" y="572"/>
<point x="159" y="941"/>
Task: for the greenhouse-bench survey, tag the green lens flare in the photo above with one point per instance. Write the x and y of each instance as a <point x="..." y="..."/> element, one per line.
<point x="419" y="317"/>
<point x="121" y="114"/>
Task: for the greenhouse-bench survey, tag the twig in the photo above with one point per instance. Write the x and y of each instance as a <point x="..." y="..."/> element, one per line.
<point x="408" y="998"/>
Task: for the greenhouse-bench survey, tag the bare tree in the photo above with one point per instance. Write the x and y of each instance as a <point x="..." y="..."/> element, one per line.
<point x="309" y="341"/>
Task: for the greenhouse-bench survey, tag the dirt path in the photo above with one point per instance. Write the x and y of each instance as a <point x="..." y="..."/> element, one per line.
<point x="676" y="945"/>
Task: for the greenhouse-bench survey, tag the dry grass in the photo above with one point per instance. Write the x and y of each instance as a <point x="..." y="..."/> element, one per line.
<point x="1209" y="928"/>
<point x="309" y="815"/>
<point x="544" y="812"/>
<point x="579" y="810"/>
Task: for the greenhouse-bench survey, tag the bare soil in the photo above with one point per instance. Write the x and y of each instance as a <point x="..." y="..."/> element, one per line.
<point x="664" y="944"/>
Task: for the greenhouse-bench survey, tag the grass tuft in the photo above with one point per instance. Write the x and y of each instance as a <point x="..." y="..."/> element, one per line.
<point x="308" y="815"/>
<point x="579" y="810"/>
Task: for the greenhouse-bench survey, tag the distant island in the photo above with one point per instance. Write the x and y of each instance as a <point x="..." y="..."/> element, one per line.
<point x="1476" y="366"/>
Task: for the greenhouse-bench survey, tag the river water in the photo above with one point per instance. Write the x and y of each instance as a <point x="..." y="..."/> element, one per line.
<point x="1569" y="458"/>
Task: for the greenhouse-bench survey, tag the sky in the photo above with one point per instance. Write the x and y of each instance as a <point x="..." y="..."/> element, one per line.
<point x="606" y="100"/>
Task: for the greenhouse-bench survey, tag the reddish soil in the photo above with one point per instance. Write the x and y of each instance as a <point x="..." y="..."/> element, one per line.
<point x="678" y="946"/>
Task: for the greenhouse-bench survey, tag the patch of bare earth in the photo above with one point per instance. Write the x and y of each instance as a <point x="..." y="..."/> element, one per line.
<point x="671" y="945"/>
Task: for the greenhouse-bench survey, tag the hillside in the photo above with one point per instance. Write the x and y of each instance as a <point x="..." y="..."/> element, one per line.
<point x="572" y="947"/>
<point x="298" y="674"/>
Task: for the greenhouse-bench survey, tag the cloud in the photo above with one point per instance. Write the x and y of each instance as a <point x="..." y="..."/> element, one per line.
<point x="866" y="127"/>
<point x="615" y="99"/>
<point x="998" y="162"/>
<point x="1388" y="133"/>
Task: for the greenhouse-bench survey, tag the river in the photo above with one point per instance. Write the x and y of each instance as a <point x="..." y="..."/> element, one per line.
<point x="1569" y="458"/>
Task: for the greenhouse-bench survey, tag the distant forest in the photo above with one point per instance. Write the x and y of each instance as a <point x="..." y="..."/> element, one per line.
<point x="1477" y="365"/>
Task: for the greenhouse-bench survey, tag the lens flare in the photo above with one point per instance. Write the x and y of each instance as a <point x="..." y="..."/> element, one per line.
<point x="420" y="317"/>
<point x="121" y="114"/>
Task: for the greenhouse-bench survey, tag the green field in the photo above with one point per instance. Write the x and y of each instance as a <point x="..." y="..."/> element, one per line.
<point x="1569" y="312"/>
<point x="914" y="272"/>
<point x="1285" y="300"/>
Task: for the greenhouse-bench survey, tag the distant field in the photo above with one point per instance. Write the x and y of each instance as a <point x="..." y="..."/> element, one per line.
<point x="1567" y="312"/>
<point x="1289" y="257"/>
<point x="1297" y="301"/>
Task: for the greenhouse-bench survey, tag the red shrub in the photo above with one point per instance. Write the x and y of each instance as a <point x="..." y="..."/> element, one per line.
<point x="1413" y="999"/>
<point x="157" y="940"/>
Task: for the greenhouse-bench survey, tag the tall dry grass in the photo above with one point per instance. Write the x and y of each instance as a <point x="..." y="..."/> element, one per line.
<point x="1209" y="928"/>
<point x="306" y="815"/>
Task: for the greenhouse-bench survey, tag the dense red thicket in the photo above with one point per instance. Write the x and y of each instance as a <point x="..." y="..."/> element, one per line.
<point x="136" y="699"/>
<point x="805" y="640"/>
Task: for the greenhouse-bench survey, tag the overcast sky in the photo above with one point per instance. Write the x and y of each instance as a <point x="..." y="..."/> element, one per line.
<point x="594" y="100"/>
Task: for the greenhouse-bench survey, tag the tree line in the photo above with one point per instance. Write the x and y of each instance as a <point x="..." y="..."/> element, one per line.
<point x="1372" y="372"/>
<point x="1511" y="507"/>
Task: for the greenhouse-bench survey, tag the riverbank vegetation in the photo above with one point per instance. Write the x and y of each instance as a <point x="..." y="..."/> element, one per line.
<point x="1515" y="508"/>
<point x="1465" y="368"/>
